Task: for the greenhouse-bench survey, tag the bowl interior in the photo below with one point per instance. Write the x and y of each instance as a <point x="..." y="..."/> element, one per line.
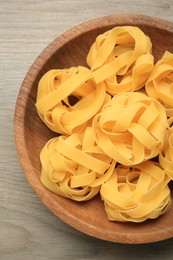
<point x="31" y="134"/>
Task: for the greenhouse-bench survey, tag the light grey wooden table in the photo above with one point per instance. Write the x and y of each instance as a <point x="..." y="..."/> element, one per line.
<point x="28" y="230"/>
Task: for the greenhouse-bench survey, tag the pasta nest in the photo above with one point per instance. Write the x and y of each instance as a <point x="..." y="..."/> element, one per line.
<point x="136" y="193"/>
<point x="131" y="128"/>
<point x="166" y="154"/>
<point x="67" y="99"/>
<point x="160" y="83"/>
<point x="122" y="58"/>
<point x="74" y="166"/>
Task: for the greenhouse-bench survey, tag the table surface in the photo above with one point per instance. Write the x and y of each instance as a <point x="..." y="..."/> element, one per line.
<point x="28" y="230"/>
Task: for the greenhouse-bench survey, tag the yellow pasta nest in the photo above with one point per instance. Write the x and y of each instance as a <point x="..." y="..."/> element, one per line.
<point x="122" y="58"/>
<point x="166" y="154"/>
<point x="67" y="99"/>
<point x="100" y="131"/>
<point x="131" y="128"/>
<point x="74" y="166"/>
<point x="136" y="193"/>
<point x="160" y="83"/>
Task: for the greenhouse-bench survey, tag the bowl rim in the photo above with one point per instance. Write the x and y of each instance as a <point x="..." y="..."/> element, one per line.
<point x="19" y="121"/>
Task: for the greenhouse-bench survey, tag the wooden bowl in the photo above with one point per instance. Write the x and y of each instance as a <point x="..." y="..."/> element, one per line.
<point x="70" y="49"/>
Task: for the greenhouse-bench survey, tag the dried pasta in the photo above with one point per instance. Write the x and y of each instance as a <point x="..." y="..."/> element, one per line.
<point x="55" y="90"/>
<point x="122" y="58"/>
<point x="74" y="166"/>
<point x="136" y="193"/>
<point x="111" y="120"/>
<point x="166" y="154"/>
<point x="131" y="128"/>
<point x="160" y="83"/>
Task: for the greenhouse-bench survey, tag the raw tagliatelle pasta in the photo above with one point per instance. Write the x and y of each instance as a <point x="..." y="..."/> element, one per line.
<point x="166" y="154"/>
<point x="160" y="83"/>
<point x="122" y="58"/>
<point x="114" y="125"/>
<point x="67" y="99"/>
<point x="136" y="193"/>
<point x="131" y="128"/>
<point x="74" y="166"/>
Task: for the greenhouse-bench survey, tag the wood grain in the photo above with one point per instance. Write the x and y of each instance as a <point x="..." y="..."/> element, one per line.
<point x="26" y="27"/>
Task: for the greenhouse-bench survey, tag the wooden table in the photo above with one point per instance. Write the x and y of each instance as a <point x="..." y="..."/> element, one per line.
<point x="28" y="230"/>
